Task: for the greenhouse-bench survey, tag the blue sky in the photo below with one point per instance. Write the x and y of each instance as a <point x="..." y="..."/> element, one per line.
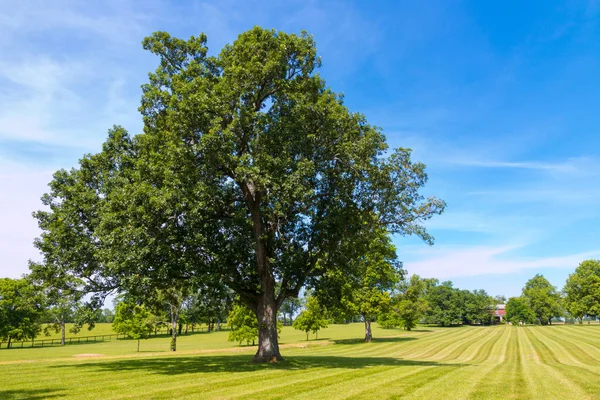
<point x="501" y="100"/>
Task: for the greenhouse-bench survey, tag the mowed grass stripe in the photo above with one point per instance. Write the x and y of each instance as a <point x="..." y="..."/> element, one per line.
<point x="472" y="373"/>
<point x="446" y="386"/>
<point x="455" y="350"/>
<point x="484" y="353"/>
<point x="578" y="336"/>
<point x="472" y="362"/>
<point x="306" y="389"/>
<point x="578" y="348"/>
<point x="400" y="387"/>
<point x="582" y="378"/>
<point x="503" y="380"/>
<point x="540" y="374"/>
<point x="563" y="354"/>
<point x="423" y="352"/>
<point x="584" y="336"/>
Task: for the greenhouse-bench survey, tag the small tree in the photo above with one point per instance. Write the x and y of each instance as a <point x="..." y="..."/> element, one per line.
<point x="408" y="307"/>
<point x="582" y="290"/>
<point x="517" y="311"/>
<point x="366" y="293"/>
<point x="133" y="320"/>
<point x="445" y="303"/>
<point x="62" y="294"/>
<point x="243" y="324"/>
<point x="313" y="318"/>
<point x="20" y="310"/>
<point x="542" y="298"/>
<point x="478" y="306"/>
<point x="289" y="307"/>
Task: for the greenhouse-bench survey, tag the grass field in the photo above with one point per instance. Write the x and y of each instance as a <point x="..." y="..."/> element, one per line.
<point x="501" y="362"/>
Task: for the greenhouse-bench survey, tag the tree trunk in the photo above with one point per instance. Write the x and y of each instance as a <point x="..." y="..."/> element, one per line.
<point x="9" y="340"/>
<point x="138" y="345"/>
<point x="264" y="304"/>
<point x="307" y="336"/>
<point x="174" y="320"/>
<point x="368" y="334"/>
<point x="62" y="329"/>
<point x="268" y="343"/>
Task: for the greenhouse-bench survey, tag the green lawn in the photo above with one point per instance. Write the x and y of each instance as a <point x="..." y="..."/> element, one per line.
<point x="502" y="362"/>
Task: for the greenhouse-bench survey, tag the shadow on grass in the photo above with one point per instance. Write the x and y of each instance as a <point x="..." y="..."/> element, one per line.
<point x="30" y="394"/>
<point x="395" y="339"/>
<point x="241" y="363"/>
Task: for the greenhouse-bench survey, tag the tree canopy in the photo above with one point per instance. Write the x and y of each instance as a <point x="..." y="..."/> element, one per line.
<point x="312" y="318"/>
<point x="582" y="290"/>
<point x="133" y="320"/>
<point x="408" y="306"/>
<point x="542" y="298"/>
<point x="243" y="325"/>
<point x="20" y="310"/>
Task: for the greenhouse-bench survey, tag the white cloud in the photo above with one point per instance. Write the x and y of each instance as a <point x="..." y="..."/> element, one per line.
<point x="21" y="189"/>
<point x="452" y="262"/>
<point x="116" y="20"/>
<point x="576" y="165"/>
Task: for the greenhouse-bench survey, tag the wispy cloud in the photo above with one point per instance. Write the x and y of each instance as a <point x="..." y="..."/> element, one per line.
<point x="580" y="165"/>
<point x="22" y="188"/>
<point x="452" y="262"/>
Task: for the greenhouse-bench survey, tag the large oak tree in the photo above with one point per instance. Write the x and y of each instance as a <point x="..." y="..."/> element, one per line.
<point x="250" y="170"/>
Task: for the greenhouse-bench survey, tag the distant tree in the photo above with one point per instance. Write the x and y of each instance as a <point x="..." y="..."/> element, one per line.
<point x="542" y="299"/>
<point x="500" y="299"/>
<point x="517" y="310"/>
<point x="445" y="304"/>
<point x="411" y="304"/>
<point x="312" y="318"/>
<point x="62" y="296"/>
<point x="478" y="307"/>
<point x="133" y="320"/>
<point x="174" y="298"/>
<point x="243" y="325"/>
<point x="106" y="316"/>
<point x="368" y="292"/>
<point x="582" y="290"/>
<point x="406" y="303"/>
<point x="215" y="303"/>
<point x="21" y="309"/>
<point x="290" y="307"/>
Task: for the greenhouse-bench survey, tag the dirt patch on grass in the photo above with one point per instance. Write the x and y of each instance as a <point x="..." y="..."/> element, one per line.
<point x="88" y="355"/>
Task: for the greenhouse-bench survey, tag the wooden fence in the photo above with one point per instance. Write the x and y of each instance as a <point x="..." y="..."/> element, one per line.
<point x="86" y="339"/>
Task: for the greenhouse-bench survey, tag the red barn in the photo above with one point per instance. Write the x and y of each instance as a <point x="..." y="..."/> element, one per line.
<point x="500" y="312"/>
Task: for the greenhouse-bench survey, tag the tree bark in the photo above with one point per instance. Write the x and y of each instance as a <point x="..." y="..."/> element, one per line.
<point x="9" y="340"/>
<point x="174" y="320"/>
<point x="268" y="343"/>
<point x="368" y="334"/>
<point x="62" y="329"/>
<point x="265" y="302"/>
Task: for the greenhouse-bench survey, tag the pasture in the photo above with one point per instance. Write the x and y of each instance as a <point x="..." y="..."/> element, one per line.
<point x="501" y="362"/>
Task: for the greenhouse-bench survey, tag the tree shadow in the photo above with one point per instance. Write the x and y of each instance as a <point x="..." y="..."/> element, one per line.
<point x="241" y="363"/>
<point x="30" y="394"/>
<point x="394" y="339"/>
